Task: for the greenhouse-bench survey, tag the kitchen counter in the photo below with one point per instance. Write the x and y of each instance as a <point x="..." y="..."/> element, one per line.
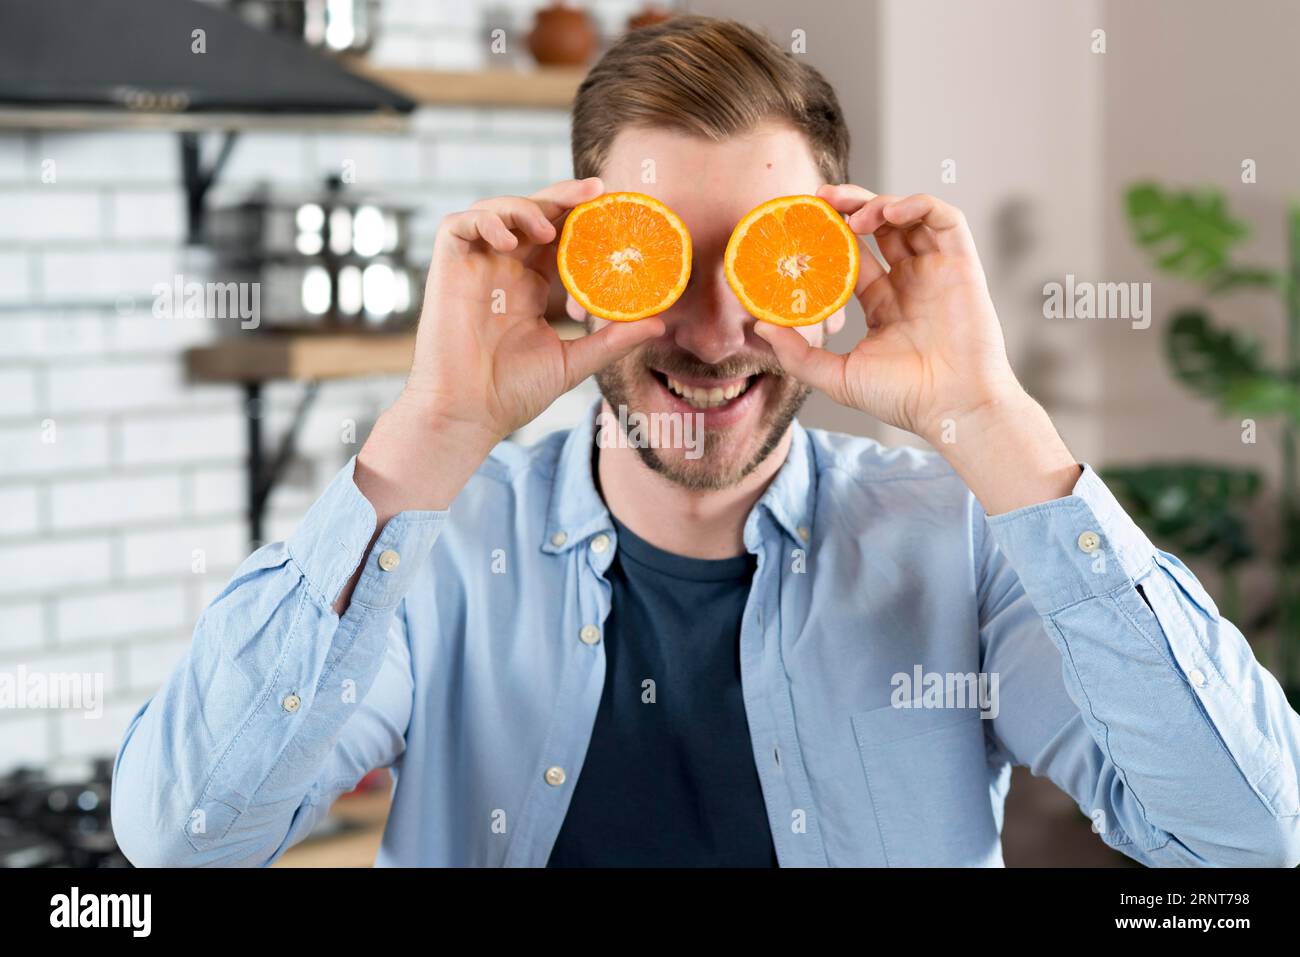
<point x="356" y="827"/>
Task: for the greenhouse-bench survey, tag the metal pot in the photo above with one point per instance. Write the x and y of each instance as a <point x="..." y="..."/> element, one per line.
<point x="332" y="259"/>
<point x="340" y="26"/>
<point x="335" y="224"/>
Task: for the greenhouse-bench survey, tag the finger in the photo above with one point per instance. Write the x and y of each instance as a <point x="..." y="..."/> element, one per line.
<point x="558" y="198"/>
<point x="481" y="225"/>
<point x="869" y="216"/>
<point x="809" y="364"/>
<point x="945" y="222"/>
<point x="920" y="238"/>
<point x="866" y="218"/>
<point x="587" y="355"/>
<point x="897" y="241"/>
<point x="876" y="301"/>
<point x="893" y="245"/>
<point x="521" y="215"/>
<point x="848" y="199"/>
<point x="870" y="267"/>
<point x="845" y="197"/>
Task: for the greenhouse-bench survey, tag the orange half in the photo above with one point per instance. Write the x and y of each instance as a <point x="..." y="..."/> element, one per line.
<point x="792" y="261"/>
<point x="624" y="256"/>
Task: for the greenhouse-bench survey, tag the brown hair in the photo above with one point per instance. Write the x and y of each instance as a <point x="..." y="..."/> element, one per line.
<point x="707" y="77"/>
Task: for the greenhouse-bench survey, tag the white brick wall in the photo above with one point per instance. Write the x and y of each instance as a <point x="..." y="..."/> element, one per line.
<point x="113" y="469"/>
<point x="79" y="158"/>
<point x="26" y="739"/>
<point x="146" y="214"/>
<point x="53" y="335"/>
<point x="50" y="214"/>
<point x="120" y="613"/>
<point x="18" y="505"/>
<point x="82" y="737"/>
<point x="96" y="503"/>
<point x="13" y="158"/>
<point x="76" y="446"/>
<point x="22" y="628"/>
<point x="175" y="439"/>
<point x="15" y="277"/>
<point x="174" y="552"/>
<point x="17" y="392"/>
<point x="53" y="565"/>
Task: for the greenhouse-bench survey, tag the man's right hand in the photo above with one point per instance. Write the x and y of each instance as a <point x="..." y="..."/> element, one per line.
<point x="486" y="361"/>
<point x="485" y="357"/>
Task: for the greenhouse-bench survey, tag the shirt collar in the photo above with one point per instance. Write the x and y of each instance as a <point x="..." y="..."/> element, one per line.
<point x="577" y="511"/>
<point x="791" y="498"/>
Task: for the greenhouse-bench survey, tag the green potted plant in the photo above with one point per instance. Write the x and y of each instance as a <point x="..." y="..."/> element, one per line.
<point x="1200" y="509"/>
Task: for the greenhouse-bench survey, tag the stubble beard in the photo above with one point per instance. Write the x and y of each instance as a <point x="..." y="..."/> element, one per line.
<point x="709" y="472"/>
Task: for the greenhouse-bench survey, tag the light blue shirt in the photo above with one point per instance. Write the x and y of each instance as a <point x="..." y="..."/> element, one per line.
<point x="470" y="660"/>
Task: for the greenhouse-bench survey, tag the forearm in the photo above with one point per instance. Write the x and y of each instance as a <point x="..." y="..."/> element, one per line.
<point x="1185" y="744"/>
<point x="1008" y="453"/>
<point x="414" y="460"/>
<point x="215" y="770"/>
<point x="216" y="767"/>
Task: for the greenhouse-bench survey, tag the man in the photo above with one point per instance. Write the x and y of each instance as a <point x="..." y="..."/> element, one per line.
<point x="798" y="648"/>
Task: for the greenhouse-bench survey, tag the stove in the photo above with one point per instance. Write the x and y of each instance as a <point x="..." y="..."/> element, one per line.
<point x="61" y="821"/>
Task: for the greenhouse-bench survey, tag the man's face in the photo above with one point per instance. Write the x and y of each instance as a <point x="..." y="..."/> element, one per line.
<point x="709" y="361"/>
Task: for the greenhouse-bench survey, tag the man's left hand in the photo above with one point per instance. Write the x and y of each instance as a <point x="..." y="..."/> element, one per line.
<point x="933" y="361"/>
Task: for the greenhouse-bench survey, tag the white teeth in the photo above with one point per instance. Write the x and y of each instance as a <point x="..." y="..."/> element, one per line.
<point x="706" y="398"/>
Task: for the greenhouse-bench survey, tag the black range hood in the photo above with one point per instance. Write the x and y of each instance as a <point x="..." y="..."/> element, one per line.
<point x="139" y="55"/>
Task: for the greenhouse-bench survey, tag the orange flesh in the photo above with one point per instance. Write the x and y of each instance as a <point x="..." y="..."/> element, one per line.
<point x="795" y="254"/>
<point x="623" y="258"/>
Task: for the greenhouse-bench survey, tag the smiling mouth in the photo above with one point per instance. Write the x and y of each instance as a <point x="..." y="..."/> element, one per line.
<point x="706" y="397"/>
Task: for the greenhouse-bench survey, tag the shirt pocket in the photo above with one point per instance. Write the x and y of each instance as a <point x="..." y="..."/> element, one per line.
<point x="929" y="782"/>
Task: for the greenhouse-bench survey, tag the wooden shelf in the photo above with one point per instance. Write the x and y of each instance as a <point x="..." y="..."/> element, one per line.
<point x="23" y="118"/>
<point x="538" y="88"/>
<point x="307" y="356"/>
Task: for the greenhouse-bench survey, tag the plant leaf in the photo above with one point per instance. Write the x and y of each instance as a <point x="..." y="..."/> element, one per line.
<point x="1230" y="278"/>
<point x="1188" y="233"/>
<point x="1194" y="508"/>
<point x="1262" y="395"/>
<point x="1208" y="360"/>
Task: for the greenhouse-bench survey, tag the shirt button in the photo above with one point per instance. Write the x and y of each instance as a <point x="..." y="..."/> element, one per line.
<point x="803" y="532"/>
<point x="1089" y="542"/>
<point x="590" y="634"/>
<point x="291" y="703"/>
<point x="555" y="776"/>
<point x="599" y="544"/>
<point x="558" y="539"/>
<point x="388" y="560"/>
<point x="1197" y="677"/>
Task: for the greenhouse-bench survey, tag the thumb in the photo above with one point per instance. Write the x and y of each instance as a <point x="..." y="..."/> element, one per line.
<point x="809" y="364"/>
<point x="587" y="355"/>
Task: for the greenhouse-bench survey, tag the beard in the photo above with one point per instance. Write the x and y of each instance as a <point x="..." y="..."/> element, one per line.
<point x="729" y="454"/>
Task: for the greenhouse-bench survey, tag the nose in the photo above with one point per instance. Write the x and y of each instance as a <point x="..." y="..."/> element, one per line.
<point x="708" y="321"/>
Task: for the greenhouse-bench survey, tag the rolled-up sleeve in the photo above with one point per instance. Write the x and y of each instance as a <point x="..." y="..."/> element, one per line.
<point x="1179" y="745"/>
<point x="279" y="704"/>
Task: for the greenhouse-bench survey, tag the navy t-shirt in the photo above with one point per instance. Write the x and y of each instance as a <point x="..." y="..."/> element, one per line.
<point x="669" y="778"/>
